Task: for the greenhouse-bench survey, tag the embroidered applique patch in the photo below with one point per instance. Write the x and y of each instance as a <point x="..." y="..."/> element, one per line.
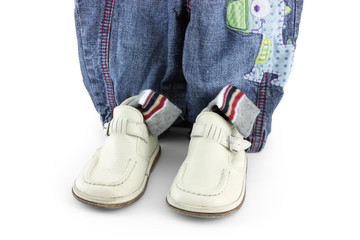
<point x="237" y="15"/>
<point x="260" y="8"/>
<point x="265" y="17"/>
<point x="264" y="51"/>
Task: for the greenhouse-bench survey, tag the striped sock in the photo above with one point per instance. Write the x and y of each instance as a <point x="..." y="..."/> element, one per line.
<point x="237" y="107"/>
<point x="159" y="113"/>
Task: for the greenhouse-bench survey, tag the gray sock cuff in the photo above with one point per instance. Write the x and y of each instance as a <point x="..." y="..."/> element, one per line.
<point x="159" y="113"/>
<point x="237" y="107"/>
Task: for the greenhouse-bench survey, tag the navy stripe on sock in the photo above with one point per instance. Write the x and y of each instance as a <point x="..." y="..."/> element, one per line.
<point x="228" y="98"/>
<point x="151" y="102"/>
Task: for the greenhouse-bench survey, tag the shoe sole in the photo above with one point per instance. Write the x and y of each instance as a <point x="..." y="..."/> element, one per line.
<point x="206" y="215"/>
<point x="120" y="205"/>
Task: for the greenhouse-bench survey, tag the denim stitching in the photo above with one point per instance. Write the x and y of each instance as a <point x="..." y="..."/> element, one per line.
<point x="188" y="7"/>
<point x="263" y="111"/>
<point x="178" y="65"/>
<point x="107" y="51"/>
<point x="103" y="59"/>
<point x="261" y="103"/>
<point x="256" y="121"/>
<point x="83" y="52"/>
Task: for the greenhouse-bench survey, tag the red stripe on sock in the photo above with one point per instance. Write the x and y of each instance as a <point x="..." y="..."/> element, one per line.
<point x="147" y="99"/>
<point x="233" y="106"/>
<point x="226" y="91"/>
<point x="159" y="106"/>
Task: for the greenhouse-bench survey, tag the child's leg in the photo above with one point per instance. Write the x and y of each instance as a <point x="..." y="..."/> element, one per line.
<point x="247" y="43"/>
<point x="129" y="46"/>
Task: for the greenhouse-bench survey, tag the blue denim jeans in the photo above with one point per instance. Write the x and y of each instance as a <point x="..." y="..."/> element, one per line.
<point x="188" y="50"/>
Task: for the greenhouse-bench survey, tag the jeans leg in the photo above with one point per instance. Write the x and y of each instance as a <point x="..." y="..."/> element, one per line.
<point x="127" y="46"/>
<point x="92" y="28"/>
<point x="214" y="55"/>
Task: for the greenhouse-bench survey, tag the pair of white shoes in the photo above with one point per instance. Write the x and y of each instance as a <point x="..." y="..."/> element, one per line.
<point x="210" y="182"/>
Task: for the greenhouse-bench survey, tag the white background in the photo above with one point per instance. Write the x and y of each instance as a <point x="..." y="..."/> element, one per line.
<point x="304" y="185"/>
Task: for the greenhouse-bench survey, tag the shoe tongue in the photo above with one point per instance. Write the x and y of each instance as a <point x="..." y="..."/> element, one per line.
<point x="209" y="117"/>
<point x="128" y="112"/>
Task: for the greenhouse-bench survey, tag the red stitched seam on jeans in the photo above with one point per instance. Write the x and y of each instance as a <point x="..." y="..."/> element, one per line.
<point x="102" y="60"/>
<point x="106" y="57"/>
<point x="263" y="111"/>
<point x="101" y="57"/>
<point x="252" y="141"/>
<point x="256" y="121"/>
<point x="188" y="7"/>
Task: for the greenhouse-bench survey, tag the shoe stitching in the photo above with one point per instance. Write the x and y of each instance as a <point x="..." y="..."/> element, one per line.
<point x="183" y="172"/>
<point x="117" y="184"/>
<point x="206" y="195"/>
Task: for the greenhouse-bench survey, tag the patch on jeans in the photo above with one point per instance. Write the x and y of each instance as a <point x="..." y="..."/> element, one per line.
<point x="264" y="51"/>
<point x="237" y="15"/>
<point x="265" y="17"/>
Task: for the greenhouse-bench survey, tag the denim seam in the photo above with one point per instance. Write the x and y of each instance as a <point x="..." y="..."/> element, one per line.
<point x="83" y="54"/>
<point x="256" y="121"/>
<point x="295" y="14"/>
<point x="104" y="59"/>
<point x="259" y="103"/>
<point x="179" y="65"/>
<point x="263" y="111"/>
<point x="188" y="8"/>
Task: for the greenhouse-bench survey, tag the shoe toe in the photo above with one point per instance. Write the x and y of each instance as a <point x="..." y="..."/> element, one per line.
<point x="96" y="192"/>
<point x="204" y="199"/>
<point x="104" y="187"/>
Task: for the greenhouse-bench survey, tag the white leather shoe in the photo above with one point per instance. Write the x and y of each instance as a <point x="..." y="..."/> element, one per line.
<point x="117" y="174"/>
<point x="211" y="180"/>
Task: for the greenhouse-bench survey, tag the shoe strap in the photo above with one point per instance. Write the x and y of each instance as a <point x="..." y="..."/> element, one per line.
<point x="214" y="132"/>
<point x="124" y="125"/>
